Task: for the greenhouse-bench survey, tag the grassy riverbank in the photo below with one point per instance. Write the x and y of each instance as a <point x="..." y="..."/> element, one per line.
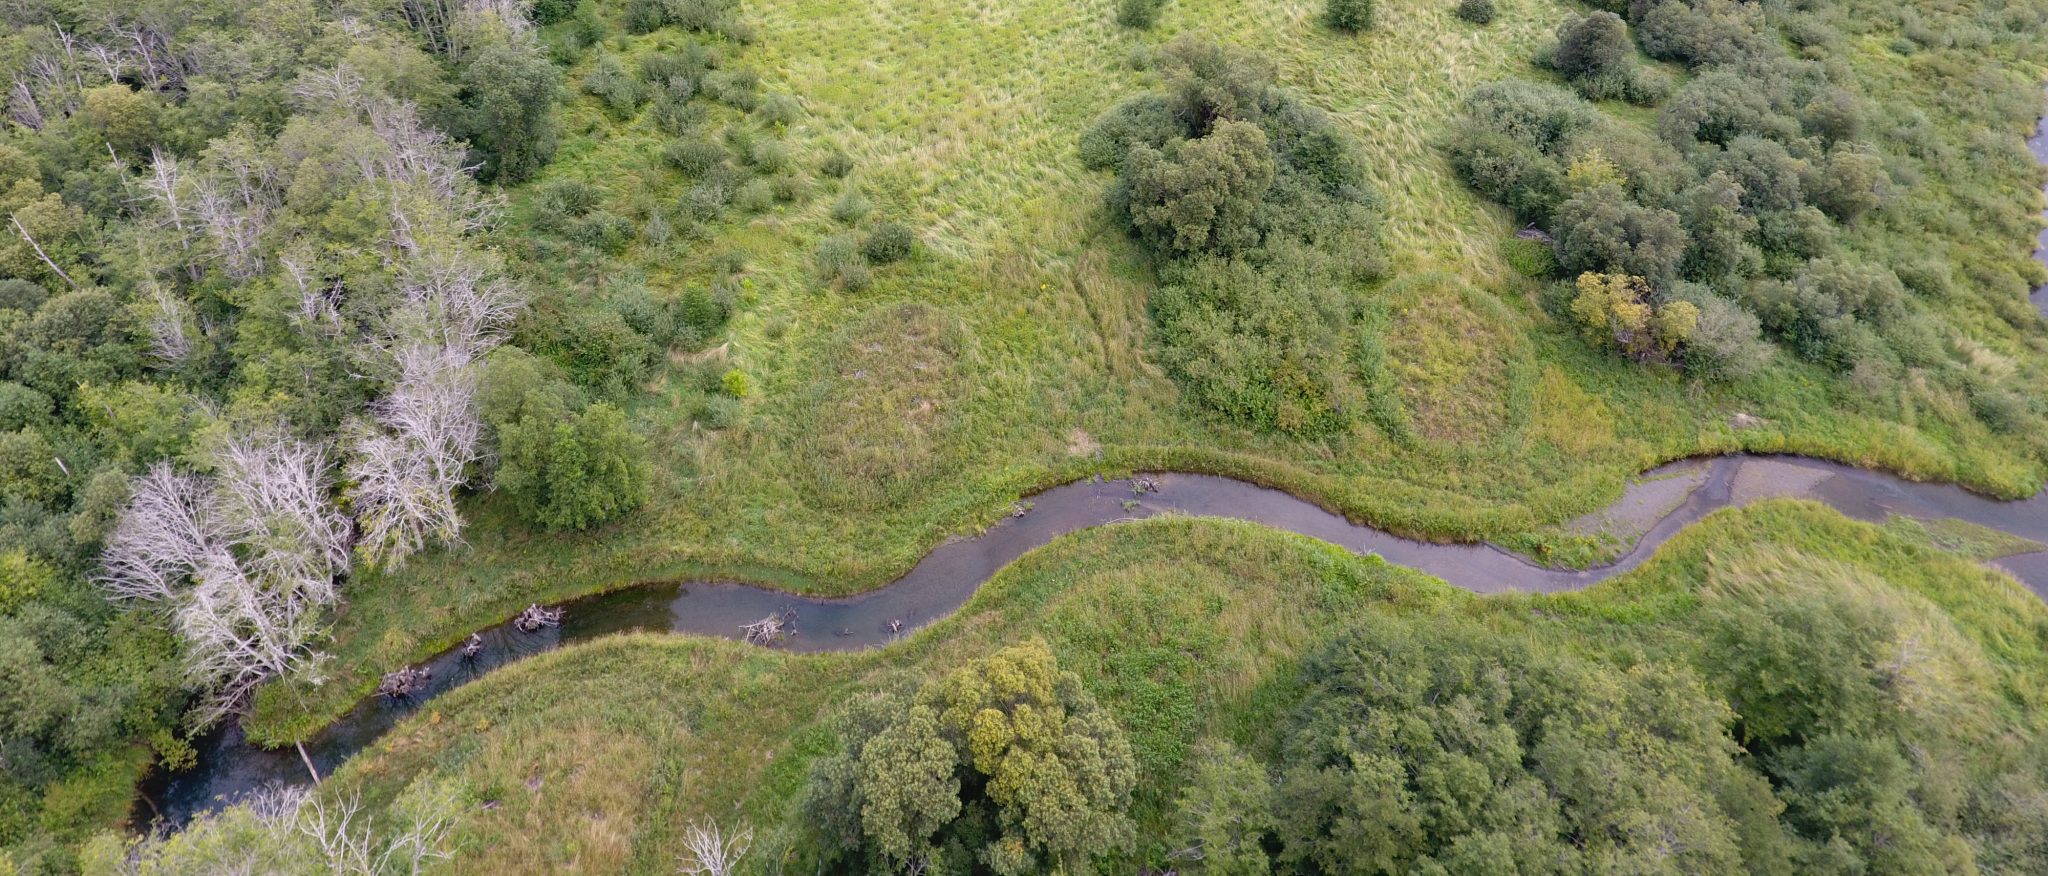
<point x="1031" y="365"/>
<point x="594" y="757"/>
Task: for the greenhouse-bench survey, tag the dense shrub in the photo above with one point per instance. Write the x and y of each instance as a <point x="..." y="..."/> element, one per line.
<point x="1140" y="14"/>
<point x="1727" y="342"/>
<point x="568" y="470"/>
<point x="1349" y="16"/>
<point x="889" y="242"/>
<point x="1719" y="106"/>
<point x="1592" y="45"/>
<point x="1257" y="209"/>
<point x="1476" y="11"/>
<point x="1622" y="311"/>
<point x="1202" y="196"/>
<point x="1604" y="230"/>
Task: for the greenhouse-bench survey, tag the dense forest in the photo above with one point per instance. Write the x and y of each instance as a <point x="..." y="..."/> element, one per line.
<point x="332" y="331"/>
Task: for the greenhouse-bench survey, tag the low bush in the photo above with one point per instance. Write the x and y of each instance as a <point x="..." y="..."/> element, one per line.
<point x="1476" y="11"/>
<point x="836" y="257"/>
<point x="694" y="156"/>
<point x="1349" y="16"/>
<point x="889" y="242"/>
<point x="1140" y="14"/>
<point x="836" y="165"/>
<point x="850" y="208"/>
<point x="754" y="196"/>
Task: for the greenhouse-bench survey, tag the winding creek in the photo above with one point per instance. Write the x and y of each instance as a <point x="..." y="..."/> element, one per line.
<point x="1655" y="507"/>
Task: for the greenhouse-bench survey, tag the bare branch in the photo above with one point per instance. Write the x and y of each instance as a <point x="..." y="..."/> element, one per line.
<point x="169" y="341"/>
<point x="18" y="229"/>
<point x="710" y="851"/>
<point x="161" y="538"/>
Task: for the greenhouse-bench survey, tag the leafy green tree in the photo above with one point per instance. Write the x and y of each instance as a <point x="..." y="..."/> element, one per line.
<point x="1006" y="760"/>
<point x="1604" y="230"/>
<point x="1224" y="813"/>
<point x="573" y="471"/>
<point x="1446" y="749"/>
<point x="1201" y="196"/>
<point x="28" y="468"/>
<point x="46" y="239"/>
<point x="510" y="90"/>
<point x="125" y="120"/>
<point x="1798" y="666"/>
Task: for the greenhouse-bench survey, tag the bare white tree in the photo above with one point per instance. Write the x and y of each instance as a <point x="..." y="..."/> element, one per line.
<point x="243" y="561"/>
<point x="409" y="465"/>
<point x="453" y="299"/>
<point x="319" y="300"/>
<point x="162" y="538"/>
<point x="165" y="185"/>
<point x="170" y="341"/>
<point x="232" y="200"/>
<point x="294" y="829"/>
<point x="271" y="501"/>
<point x="709" y="851"/>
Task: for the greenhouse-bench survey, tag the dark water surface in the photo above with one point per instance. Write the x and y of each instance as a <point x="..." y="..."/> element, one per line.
<point x="2038" y="144"/>
<point x="943" y="581"/>
<point x="229" y="767"/>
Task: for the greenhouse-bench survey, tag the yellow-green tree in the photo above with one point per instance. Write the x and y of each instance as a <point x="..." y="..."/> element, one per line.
<point x="1619" y="311"/>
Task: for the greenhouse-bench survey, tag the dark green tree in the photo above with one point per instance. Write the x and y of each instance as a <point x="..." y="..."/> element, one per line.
<point x="1202" y="195"/>
<point x="510" y="91"/>
<point x="573" y="471"/>
<point x="1592" y="45"/>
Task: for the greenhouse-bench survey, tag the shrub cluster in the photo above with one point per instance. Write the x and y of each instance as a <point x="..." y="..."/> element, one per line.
<point x="700" y="16"/>
<point x="1595" y="54"/>
<point x="1780" y="743"/>
<point x="1736" y="205"/>
<point x="1263" y="226"/>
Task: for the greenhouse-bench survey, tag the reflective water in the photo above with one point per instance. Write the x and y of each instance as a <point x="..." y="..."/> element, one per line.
<point x="944" y="580"/>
